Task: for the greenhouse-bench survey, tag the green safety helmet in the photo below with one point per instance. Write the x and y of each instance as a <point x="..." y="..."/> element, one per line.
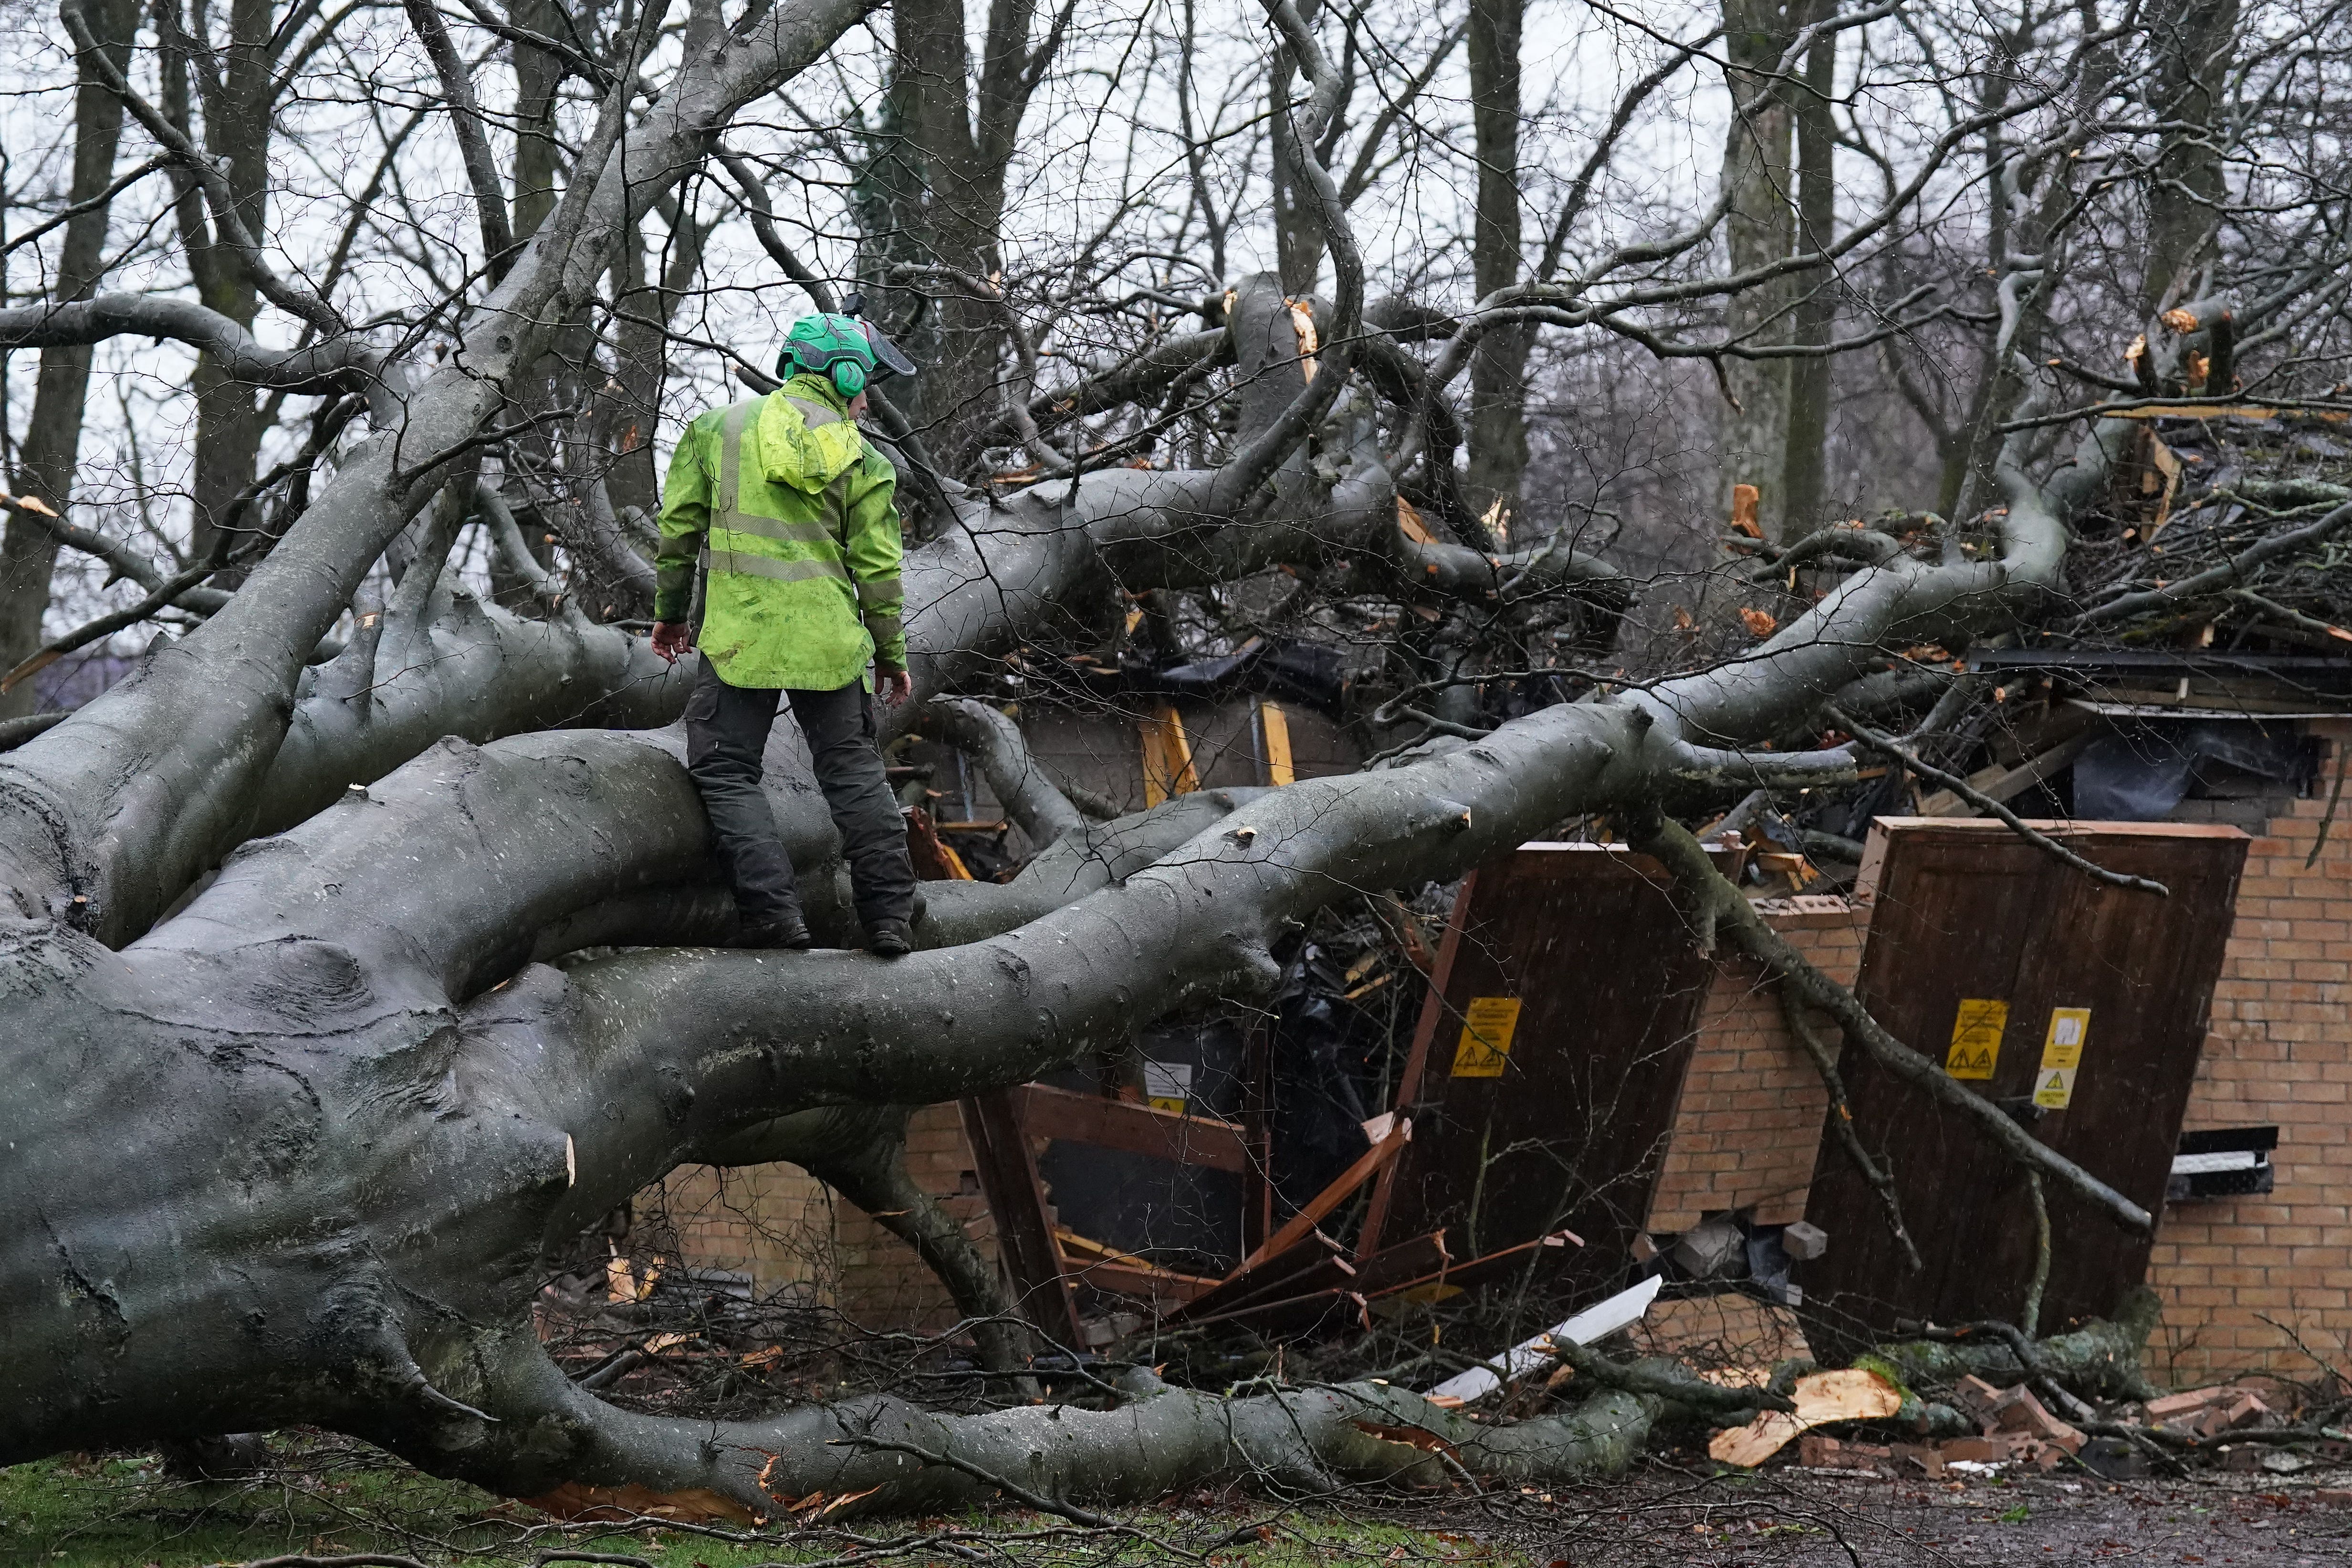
<point x="839" y="345"/>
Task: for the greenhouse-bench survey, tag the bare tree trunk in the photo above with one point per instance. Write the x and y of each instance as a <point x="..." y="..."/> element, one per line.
<point x="28" y="553"/>
<point x="1498" y="431"/>
<point x="238" y="103"/>
<point x="2196" y="39"/>
<point x="1804" y="491"/>
<point x="1754" y="443"/>
<point x="624" y="420"/>
<point x="961" y="134"/>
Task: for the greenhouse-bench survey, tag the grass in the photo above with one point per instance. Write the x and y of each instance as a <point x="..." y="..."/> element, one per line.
<point x="328" y="1496"/>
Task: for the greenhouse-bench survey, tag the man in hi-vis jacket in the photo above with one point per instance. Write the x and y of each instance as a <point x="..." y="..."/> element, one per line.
<point x="782" y="515"/>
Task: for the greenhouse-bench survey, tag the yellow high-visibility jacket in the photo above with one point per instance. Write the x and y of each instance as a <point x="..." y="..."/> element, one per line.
<point x="791" y="514"/>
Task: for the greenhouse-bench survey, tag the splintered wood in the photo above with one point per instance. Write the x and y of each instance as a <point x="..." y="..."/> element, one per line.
<point x="1851" y="1394"/>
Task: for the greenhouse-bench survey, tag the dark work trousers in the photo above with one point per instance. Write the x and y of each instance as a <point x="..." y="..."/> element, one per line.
<point x="726" y="734"/>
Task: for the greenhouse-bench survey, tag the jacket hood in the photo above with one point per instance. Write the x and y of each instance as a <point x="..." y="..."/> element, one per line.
<point x="792" y="453"/>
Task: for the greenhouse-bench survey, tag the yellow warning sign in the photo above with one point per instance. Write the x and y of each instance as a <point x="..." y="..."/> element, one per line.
<point x="1486" y="1029"/>
<point x="1976" y="1037"/>
<point x="2070" y="1029"/>
<point x="1168" y="1086"/>
<point x="2062" y="1055"/>
<point x="2054" y="1087"/>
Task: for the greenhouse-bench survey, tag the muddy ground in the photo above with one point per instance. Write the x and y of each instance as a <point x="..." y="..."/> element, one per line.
<point x="1785" y="1515"/>
<point x="328" y="1496"/>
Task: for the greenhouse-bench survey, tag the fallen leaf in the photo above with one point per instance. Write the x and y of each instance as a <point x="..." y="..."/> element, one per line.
<point x="1758" y="622"/>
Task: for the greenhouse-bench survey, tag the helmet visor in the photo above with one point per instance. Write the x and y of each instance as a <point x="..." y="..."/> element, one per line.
<point x="888" y="359"/>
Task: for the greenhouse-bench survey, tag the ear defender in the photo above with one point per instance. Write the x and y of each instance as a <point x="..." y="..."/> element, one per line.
<point x="836" y="347"/>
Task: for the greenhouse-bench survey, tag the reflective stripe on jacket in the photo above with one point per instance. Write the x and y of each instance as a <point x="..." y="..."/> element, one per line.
<point x="790" y="513"/>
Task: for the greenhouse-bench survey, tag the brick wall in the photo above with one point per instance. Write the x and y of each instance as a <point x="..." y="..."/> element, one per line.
<point x="784" y="1228"/>
<point x="2279" y="1052"/>
<point x="883" y="1284"/>
<point x="773" y="1223"/>
<point x="1751" y="1108"/>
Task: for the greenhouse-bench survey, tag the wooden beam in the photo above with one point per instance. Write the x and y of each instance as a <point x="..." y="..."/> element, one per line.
<point x="1998" y="783"/>
<point x="1264" y="1280"/>
<point x="1379" y="1157"/>
<point x="1293" y="1314"/>
<point x="1454" y="1277"/>
<point x="1131" y="1127"/>
<point x="1091" y="1263"/>
<point x="1024" y="1235"/>
<point x="1416" y="1060"/>
<point x="1257" y="1132"/>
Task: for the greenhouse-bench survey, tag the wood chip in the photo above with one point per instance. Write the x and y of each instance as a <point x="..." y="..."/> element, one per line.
<point x="1854" y="1394"/>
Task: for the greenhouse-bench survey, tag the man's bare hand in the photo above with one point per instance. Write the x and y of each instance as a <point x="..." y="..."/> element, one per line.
<point x="897" y="687"/>
<point x="672" y="638"/>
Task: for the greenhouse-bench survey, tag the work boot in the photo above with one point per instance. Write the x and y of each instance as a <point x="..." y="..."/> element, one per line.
<point x="890" y="939"/>
<point x="783" y="931"/>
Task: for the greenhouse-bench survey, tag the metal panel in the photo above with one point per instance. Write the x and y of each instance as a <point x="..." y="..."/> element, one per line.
<point x="1569" y="1127"/>
<point x="1967" y="911"/>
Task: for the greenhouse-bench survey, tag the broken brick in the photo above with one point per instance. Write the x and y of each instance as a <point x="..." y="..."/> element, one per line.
<point x="1816" y="1452"/>
<point x="2172" y="1406"/>
<point x="1919" y="1456"/>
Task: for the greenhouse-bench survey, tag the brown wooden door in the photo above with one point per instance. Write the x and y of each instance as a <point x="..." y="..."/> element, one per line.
<point x="1965" y="914"/>
<point x="1567" y="1126"/>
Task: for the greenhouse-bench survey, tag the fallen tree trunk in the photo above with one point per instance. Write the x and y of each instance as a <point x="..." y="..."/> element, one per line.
<point x="884" y="1456"/>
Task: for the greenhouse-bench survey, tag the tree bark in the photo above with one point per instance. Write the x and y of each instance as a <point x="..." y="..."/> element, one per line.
<point x="239" y="112"/>
<point x="2197" y="42"/>
<point x="1298" y="239"/>
<point x="1757" y="176"/>
<point x="1499" y="432"/>
<point x="962" y="134"/>
<point x="50" y="453"/>
<point x="1804" y="488"/>
<point x="539" y="76"/>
